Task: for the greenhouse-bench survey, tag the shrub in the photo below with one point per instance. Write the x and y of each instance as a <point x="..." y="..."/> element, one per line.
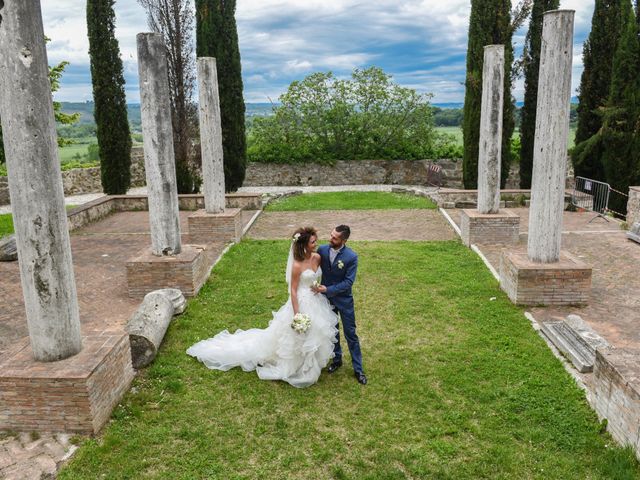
<point x="324" y="119"/>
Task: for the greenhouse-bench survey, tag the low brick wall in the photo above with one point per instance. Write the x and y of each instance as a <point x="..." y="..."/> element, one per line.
<point x="567" y="282"/>
<point x="4" y="191"/>
<point x="616" y="395"/>
<point x="502" y="228"/>
<point x="633" y="206"/>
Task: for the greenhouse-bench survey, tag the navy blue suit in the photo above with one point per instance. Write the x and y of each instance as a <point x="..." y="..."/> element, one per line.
<point x="338" y="278"/>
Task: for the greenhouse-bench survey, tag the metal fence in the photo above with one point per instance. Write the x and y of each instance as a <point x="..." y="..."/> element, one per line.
<point x="594" y="196"/>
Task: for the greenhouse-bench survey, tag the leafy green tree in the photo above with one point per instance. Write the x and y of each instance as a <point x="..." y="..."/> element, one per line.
<point x="112" y="125"/>
<point x="595" y="86"/>
<point x="620" y="131"/>
<point x="217" y="36"/>
<point x="324" y="119"/>
<point x="491" y="23"/>
<point x="531" y="60"/>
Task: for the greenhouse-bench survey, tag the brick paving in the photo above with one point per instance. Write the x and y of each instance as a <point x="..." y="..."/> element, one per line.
<point x="386" y="225"/>
<point x="28" y="456"/>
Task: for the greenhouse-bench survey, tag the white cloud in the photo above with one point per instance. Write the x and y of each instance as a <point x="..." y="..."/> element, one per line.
<point x="421" y="42"/>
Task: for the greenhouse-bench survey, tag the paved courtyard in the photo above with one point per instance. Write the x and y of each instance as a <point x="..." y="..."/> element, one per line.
<point x="384" y="225"/>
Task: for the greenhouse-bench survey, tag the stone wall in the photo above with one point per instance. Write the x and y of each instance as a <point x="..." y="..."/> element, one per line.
<point x="87" y="180"/>
<point x="633" y="207"/>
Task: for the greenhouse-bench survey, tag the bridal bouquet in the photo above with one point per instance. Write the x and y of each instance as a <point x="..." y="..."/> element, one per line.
<point x="301" y="322"/>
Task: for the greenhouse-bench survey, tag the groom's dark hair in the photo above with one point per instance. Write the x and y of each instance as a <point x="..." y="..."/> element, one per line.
<point x="344" y="231"/>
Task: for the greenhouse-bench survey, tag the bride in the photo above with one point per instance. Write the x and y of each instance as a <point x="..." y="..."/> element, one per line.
<point x="278" y="352"/>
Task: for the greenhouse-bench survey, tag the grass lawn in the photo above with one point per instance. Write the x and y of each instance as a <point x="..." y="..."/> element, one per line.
<point x="6" y="224"/>
<point x="349" y="201"/>
<point x="461" y="387"/>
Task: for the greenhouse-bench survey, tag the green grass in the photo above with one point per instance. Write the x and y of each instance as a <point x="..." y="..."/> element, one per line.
<point x="6" y="224"/>
<point x="349" y="201"/>
<point x="461" y="387"/>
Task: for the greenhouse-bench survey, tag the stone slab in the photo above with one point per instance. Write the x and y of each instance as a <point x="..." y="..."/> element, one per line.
<point x="219" y="227"/>
<point x="186" y="271"/>
<point x="72" y="395"/>
<point x="571" y="344"/>
<point x="502" y="228"/>
<point x="566" y="282"/>
<point x="634" y="232"/>
<point x="616" y="395"/>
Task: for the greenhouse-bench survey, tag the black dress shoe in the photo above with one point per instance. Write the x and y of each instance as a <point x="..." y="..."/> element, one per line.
<point x="362" y="378"/>
<point x="334" y="366"/>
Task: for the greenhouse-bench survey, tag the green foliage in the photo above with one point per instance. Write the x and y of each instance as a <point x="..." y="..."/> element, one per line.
<point x="112" y="126"/>
<point x="447" y="117"/>
<point x="595" y="84"/>
<point x="324" y="119"/>
<point x="6" y="224"/>
<point x="531" y="59"/>
<point x="217" y="36"/>
<point x="461" y="387"/>
<point x="489" y="24"/>
<point x="350" y="201"/>
<point x="620" y="132"/>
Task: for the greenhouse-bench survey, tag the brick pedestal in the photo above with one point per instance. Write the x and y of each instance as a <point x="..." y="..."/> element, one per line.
<point x="186" y="271"/>
<point x="220" y="227"/>
<point x="72" y="395"/>
<point x="567" y="282"/>
<point x="502" y="228"/>
<point x="616" y="394"/>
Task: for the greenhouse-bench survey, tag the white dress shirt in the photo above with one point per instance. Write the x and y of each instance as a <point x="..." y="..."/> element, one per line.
<point x="333" y="253"/>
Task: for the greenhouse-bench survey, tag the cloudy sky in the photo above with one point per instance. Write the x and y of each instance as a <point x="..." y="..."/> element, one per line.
<point x="422" y="43"/>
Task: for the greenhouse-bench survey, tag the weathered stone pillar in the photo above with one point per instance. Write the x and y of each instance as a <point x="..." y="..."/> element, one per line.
<point x="35" y="184"/>
<point x="552" y="131"/>
<point x="216" y="223"/>
<point x="158" y="145"/>
<point x="211" y="136"/>
<point x="491" y="130"/>
<point x="545" y="275"/>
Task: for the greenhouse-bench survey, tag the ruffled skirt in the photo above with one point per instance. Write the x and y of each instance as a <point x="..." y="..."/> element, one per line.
<point x="277" y="352"/>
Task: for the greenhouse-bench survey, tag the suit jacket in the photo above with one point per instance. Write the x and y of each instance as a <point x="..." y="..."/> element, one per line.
<point x="339" y="280"/>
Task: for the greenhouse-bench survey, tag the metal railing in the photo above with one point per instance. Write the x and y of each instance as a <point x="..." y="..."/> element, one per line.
<point x="594" y="196"/>
<point x="434" y="175"/>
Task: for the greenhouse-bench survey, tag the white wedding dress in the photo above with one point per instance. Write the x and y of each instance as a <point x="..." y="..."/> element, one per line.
<point x="278" y="352"/>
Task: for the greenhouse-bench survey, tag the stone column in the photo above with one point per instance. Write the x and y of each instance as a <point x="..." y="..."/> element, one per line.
<point x="552" y="131"/>
<point x="158" y="145"/>
<point x="491" y="130"/>
<point x="211" y="136"/>
<point x="35" y="184"/>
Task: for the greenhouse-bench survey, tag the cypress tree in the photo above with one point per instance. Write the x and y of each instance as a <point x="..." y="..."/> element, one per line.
<point x="217" y="36"/>
<point x="2" y="159"/>
<point x="531" y="71"/>
<point x="594" y="86"/>
<point x="621" y="120"/>
<point x="112" y="125"/>
<point x="490" y="23"/>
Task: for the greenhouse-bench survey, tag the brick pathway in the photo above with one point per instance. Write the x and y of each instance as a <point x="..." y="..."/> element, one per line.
<point x="99" y="253"/>
<point x="415" y="225"/>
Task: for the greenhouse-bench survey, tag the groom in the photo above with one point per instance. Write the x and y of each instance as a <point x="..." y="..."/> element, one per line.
<point x="339" y="266"/>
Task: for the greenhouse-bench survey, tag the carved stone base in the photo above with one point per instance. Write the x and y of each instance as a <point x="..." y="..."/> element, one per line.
<point x="502" y="228"/>
<point x="567" y="282"/>
<point x="220" y="227"/>
<point x="72" y="395"/>
<point x="186" y="271"/>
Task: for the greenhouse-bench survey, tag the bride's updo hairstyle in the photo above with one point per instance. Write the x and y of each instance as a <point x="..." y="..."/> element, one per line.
<point x="301" y="238"/>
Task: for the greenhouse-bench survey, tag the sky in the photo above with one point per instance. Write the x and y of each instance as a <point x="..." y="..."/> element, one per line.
<point x="422" y="43"/>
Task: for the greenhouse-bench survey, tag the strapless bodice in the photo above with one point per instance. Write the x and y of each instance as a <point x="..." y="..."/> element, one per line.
<point x="309" y="276"/>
